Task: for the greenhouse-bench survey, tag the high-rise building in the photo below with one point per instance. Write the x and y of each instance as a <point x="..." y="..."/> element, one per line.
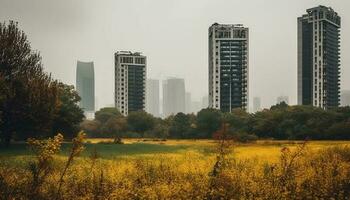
<point x="345" y="98"/>
<point x="173" y="96"/>
<point x="228" y="66"/>
<point x="256" y="104"/>
<point x="130" y="81"/>
<point x="281" y="99"/>
<point x="152" y="97"/>
<point x="85" y="85"/>
<point x="319" y="58"/>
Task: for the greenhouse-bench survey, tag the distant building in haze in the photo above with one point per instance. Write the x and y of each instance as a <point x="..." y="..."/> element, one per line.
<point x="173" y="96"/>
<point x="130" y="81"/>
<point x="319" y="58"/>
<point x="188" y="103"/>
<point x="196" y="106"/>
<point x="85" y="86"/>
<point x="205" y="101"/>
<point x="256" y="104"/>
<point x="281" y="99"/>
<point x="228" y="66"/>
<point x="345" y="98"/>
<point x="152" y="97"/>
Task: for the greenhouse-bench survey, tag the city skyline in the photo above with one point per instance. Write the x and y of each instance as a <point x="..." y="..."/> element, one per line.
<point x="104" y="40"/>
<point x="85" y="86"/>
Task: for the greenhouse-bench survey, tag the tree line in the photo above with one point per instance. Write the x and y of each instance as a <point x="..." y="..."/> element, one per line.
<point x="281" y="121"/>
<point x="32" y="103"/>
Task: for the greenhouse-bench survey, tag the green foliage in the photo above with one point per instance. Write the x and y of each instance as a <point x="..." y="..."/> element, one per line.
<point x="115" y="126"/>
<point x="140" y="121"/>
<point x="180" y="126"/>
<point x="30" y="98"/>
<point x="91" y="128"/>
<point x="69" y="115"/>
<point x="300" y="122"/>
<point x="161" y="129"/>
<point x="208" y="121"/>
<point x="104" y="114"/>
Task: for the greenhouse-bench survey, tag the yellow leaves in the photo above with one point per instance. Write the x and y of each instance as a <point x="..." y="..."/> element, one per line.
<point x="45" y="149"/>
<point x="313" y="174"/>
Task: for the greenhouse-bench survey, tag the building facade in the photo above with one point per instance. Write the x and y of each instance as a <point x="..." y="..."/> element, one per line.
<point x="85" y="86"/>
<point x="130" y="82"/>
<point x="152" y="97"/>
<point x="173" y="96"/>
<point x="228" y="66"/>
<point x="319" y="58"/>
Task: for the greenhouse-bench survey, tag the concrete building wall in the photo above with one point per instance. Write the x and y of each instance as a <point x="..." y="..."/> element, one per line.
<point x="152" y="97"/>
<point x="228" y="66"/>
<point x="130" y="81"/>
<point x="173" y="96"/>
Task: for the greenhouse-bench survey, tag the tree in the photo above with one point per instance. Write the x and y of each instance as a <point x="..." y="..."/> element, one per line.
<point x="208" y="121"/>
<point x="282" y="105"/>
<point x="140" y="121"/>
<point x="69" y="115"/>
<point x="180" y="126"/>
<point x="30" y="99"/>
<point x="91" y="127"/>
<point x="114" y="127"/>
<point x="104" y="114"/>
<point x="237" y="119"/>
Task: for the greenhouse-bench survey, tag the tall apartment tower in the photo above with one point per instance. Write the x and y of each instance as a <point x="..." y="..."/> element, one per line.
<point x="85" y="86"/>
<point x="319" y="58"/>
<point x="130" y="81"/>
<point x="152" y="97"/>
<point x="228" y="66"/>
<point x="173" y="96"/>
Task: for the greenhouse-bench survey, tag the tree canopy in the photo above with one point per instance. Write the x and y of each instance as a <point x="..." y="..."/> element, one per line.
<point x="32" y="103"/>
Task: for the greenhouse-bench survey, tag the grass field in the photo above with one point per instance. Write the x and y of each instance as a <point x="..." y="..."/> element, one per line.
<point x="268" y="150"/>
<point x="181" y="169"/>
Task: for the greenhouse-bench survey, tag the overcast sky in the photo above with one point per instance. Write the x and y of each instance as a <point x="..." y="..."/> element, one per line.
<point x="173" y="34"/>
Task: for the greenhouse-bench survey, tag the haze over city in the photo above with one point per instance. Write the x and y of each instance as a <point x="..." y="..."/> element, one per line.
<point x="174" y="37"/>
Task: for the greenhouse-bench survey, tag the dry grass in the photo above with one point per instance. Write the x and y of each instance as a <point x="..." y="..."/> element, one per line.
<point x="181" y="169"/>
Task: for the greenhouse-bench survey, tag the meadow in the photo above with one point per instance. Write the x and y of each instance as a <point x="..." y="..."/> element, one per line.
<point x="180" y="169"/>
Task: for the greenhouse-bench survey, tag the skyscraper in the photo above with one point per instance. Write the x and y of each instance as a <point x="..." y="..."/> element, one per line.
<point x="345" y="98"/>
<point x="256" y="104"/>
<point x="319" y="58"/>
<point x="152" y="97"/>
<point x="130" y="81"/>
<point x="228" y="66"/>
<point x="281" y="99"/>
<point x="173" y="96"/>
<point x="85" y="85"/>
